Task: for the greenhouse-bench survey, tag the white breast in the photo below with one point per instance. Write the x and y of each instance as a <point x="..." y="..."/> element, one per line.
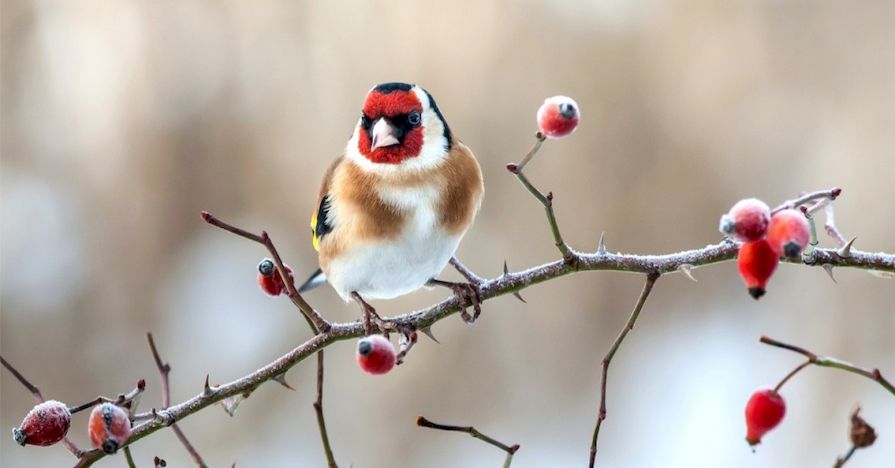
<point x="387" y="269"/>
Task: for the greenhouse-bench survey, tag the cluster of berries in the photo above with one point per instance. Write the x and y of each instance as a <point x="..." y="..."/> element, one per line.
<point x="47" y="423"/>
<point x="766" y="237"/>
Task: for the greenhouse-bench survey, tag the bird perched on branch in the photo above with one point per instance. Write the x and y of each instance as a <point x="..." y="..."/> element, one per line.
<point x="393" y="208"/>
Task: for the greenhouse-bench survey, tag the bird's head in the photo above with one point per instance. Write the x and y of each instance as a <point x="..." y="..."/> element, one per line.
<point x="400" y="125"/>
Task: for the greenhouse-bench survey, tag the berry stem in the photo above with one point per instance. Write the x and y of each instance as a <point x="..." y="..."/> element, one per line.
<point x="638" y="306"/>
<point x="791" y="374"/>
<point x="825" y="361"/>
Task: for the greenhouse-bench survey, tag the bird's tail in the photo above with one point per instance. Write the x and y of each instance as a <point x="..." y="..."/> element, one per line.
<point x="317" y="278"/>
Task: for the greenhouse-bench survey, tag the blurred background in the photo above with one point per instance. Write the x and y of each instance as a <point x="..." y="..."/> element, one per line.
<point x="122" y="120"/>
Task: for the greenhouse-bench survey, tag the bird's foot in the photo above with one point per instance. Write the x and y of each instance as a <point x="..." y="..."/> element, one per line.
<point x="369" y="315"/>
<point x="468" y="294"/>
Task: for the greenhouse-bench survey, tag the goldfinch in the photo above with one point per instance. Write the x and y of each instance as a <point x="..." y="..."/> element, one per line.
<point x="393" y="208"/>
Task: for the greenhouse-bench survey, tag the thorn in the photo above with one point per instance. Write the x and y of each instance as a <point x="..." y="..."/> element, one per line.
<point x="207" y="391"/>
<point x="506" y="271"/>
<point x="601" y="248"/>
<point x="687" y="270"/>
<point x="281" y="379"/>
<point x="829" y="269"/>
<point x="519" y="296"/>
<point x="845" y="251"/>
<point x="428" y="332"/>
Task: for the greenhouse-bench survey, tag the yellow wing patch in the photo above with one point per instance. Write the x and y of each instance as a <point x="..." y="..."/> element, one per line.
<point x="315" y="240"/>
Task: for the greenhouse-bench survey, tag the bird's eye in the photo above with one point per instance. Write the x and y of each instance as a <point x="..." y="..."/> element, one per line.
<point x="414" y="118"/>
<point x="364" y="120"/>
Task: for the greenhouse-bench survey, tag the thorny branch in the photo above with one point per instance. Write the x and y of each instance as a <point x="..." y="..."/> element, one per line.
<point x="491" y="288"/>
<point x="825" y="361"/>
<point x="509" y="449"/>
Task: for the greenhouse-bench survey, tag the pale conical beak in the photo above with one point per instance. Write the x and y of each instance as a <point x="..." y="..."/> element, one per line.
<point x="383" y="134"/>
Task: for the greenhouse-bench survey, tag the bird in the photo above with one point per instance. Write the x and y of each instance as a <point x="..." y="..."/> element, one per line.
<point x="393" y="208"/>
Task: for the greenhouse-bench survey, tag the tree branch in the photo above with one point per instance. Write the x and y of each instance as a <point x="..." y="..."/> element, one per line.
<point x="644" y="294"/>
<point x="491" y="288"/>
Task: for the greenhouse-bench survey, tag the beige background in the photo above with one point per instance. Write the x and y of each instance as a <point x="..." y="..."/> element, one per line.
<point x="121" y="120"/>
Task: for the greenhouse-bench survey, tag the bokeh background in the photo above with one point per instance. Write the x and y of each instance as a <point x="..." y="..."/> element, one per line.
<point x="122" y="120"/>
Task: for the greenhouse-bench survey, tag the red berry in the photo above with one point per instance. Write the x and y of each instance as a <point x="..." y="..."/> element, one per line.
<point x="109" y="427"/>
<point x="558" y="116"/>
<point x="269" y="278"/>
<point x="788" y="233"/>
<point x="375" y="355"/>
<point x="757" y="261"/>
<point x="764" y="411"/>
<point x="747" y="220"/>
<point x="46" y="424"/>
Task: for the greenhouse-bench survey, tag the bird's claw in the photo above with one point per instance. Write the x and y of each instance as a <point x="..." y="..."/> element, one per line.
<point x="468" y="294"/>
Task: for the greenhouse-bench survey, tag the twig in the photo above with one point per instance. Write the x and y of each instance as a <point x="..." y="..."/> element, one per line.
<point x="124" y="399"/>
<point x="647" y="288"/>
<point x="539" y="140"/>
<point x="831" y="194"/>
<point x="509" y="449"/>
<point x="546" y="200"/>
<point x="74" y="449"/>
<point x="824" y="361"/>
<point x="318" y="408"/>
<point x="264" y="239"/>
<point x="164" y="369"/>
<point x="21" y="378"/>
